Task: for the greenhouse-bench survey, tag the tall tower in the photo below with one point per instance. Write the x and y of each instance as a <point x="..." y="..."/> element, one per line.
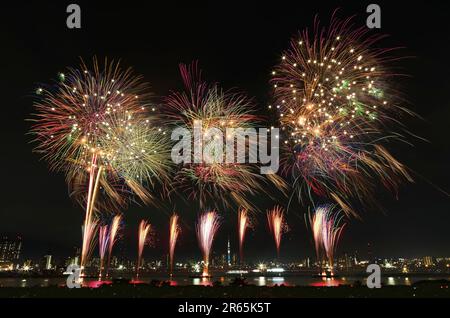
<point x="48" y="262"/>
<point x="228" y="253"/>
<point x="369" y="253"/>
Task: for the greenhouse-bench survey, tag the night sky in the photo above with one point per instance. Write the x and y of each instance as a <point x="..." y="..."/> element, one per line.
<point x="236" y="45"/>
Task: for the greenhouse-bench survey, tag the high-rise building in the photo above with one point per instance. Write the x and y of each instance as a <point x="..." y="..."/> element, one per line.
<point x="234" y="260"/>
<point x="72" y="261"/>
<point x="428" y="261"/>
<point x="356" y="258"/>
<point x="115" y="262"/>
<point x="10" y="247"/>
<point x="348" y="261"/>
<point x="47" y="262"/>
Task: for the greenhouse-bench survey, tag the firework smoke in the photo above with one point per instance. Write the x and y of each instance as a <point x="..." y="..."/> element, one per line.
<point x="207" y="226"/>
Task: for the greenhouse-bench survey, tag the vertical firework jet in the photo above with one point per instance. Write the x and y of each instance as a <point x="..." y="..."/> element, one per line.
<point x="174" y="231"/>
<point x="90" y="223"/>
<point x="103" y="240"/>
<point x="327" y="227"/>
<point x="144" y="230"/>
<point x="113" y="232"/>
<point x="242" y="228"/>
<point x="89" y="234"/>
<point x="277" y="225"/>
<point x="207" y="226"/>
<point x="316" y="225"/>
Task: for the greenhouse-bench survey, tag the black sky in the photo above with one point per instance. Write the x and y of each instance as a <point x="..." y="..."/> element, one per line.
<point x="236" y="44"/>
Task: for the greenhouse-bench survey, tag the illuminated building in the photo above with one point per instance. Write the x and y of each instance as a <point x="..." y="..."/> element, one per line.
<point x="234" y="259"/>
<point x="10" y="247"/>
<point x="47" y="262"/>
<point x="428" y="261"/>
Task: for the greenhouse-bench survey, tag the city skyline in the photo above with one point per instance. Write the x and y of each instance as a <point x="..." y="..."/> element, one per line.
<point x="12" y="250"/>
<point x="227" y="261"/>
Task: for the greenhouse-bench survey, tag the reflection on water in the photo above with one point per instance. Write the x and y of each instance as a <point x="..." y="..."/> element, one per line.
<point x="287" y="280"/>
<point x="261" y="281"/>
<point x="391" y="281"/>
<point x="96" y="283"/>
<point x="328" y="282"/>
<point x="278" y="279"/>
<point x="201" y="282"/>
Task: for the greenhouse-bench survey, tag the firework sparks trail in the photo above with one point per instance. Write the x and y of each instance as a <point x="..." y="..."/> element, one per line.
<point x="336" y="113"/>
<point x="277" y="225"/>
<point x="103" y="241"/>
<point x="144" y="230"/>
<point x="173" y="236"/>
<point x="207" y="226"/>
<point x="243" y="223"/>
<point x="113" y="236"/>
<point x="327" y="226"/>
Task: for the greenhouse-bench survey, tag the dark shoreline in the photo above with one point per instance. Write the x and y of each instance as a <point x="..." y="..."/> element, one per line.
<point x="423" y="289"/>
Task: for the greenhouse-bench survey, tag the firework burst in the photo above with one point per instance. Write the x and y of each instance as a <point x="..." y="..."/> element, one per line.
<point x="335" y="107"/>
<point x="71" y="115"/>
<point x="174" y="231"/>
<point x="137" y="152"/>
<point x="208" y="106"/>
<point x="144" y="231"/>
<point x="327" y="226"/>
<point x="207" y="226"/>
<point x="277" y="225"/>
<point x="78" y="127"/>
